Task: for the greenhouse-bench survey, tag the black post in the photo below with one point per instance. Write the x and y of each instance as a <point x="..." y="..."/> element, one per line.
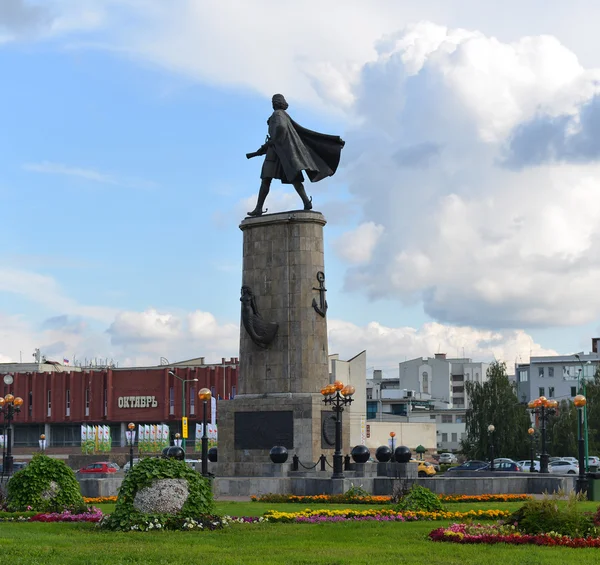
<point x="492" y="451"/>
<point x="581" y="480"/>
<point x="531" y="454"/>
<point x="322" y="460"/>
<point x="338" y="471"/>
<point x="295" y="461"/>
<point x="8" y="462"/>
<point x="544" y="457"/>
<point x="131" y="451"/>
<point x="204" y="443"/>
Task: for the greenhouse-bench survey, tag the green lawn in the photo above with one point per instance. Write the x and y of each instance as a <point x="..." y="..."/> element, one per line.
<point x="290" y="544"/>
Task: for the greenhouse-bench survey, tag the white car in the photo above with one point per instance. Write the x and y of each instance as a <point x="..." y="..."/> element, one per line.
<point x="593" y="461"/>
<point x="447" y="458"/>
<point x="126" y="466"/>
<point x="573" y="460"/>
<point x="526" y="464"/>
<point x="564" y="467"/>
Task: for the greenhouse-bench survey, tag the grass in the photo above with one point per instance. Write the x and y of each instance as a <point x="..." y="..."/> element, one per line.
<point x="293" y="544"/>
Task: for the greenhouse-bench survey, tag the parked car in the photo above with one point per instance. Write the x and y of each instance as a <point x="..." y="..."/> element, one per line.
<point x="593" y="461"/>
<point x="126" y="466"/>
<point x="100" y="467"/>
<point x="447" y="458"/>
<point x="563" y="467"/>
<point x="526" y="464"/>
<point x="425" y="468"/>
<point x="468" y="466"/>
<point x="505" y="465"/>
<point x="573" y="460"/>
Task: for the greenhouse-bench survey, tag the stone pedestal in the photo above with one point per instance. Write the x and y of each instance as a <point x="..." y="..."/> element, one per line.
<point x="279" y="400"/>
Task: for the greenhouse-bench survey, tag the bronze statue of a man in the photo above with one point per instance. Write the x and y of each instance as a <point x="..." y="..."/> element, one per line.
<point x="291" y="149"/>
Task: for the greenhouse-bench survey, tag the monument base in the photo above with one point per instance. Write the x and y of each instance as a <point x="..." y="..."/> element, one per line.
<point x="251" y="425"/>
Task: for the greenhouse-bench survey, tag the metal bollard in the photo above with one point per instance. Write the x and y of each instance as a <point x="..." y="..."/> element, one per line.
<point x="322" y="460"/>
<point x="295" y="461"/>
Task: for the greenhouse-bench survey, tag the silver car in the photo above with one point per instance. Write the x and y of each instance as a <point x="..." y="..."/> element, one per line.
<point x="564" y="467"/>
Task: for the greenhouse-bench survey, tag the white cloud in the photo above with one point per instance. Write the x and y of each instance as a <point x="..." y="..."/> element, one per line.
<point x="356" y="246"/>
<point x="386" y="346"/>
<point x="93" y="175"/>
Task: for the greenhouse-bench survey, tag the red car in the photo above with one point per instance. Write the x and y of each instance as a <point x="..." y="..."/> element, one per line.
<point x="100" y="467"/>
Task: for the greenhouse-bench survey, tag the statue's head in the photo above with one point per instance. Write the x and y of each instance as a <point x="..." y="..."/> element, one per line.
<point x="279" y="102"/>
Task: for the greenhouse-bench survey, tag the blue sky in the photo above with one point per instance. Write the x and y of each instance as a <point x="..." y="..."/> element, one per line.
<point x="123" y="178"/>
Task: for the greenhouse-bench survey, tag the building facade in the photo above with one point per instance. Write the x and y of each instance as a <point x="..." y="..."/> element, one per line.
<point x="58" y="399"/>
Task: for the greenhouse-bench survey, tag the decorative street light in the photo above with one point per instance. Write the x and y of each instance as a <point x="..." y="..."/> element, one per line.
<point x="531" y="433"/>
<point x="9" y="406"/>
<point x="205" y="396"/>
<point x="177" y="440"/>
<point x="183" y="381"/>
<point x="130" y="436"/>
<point x="491" y="430"/>
<point x="543" y="408"/>
<point x="392" y="435"/>
<point x="581" y="387"/>
<point x="580" y="402"/>
<point x="42" y="442"/>
<point x="338" y="396"/>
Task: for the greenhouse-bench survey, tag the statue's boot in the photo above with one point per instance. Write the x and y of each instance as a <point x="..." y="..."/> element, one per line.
<point x="302" y="193"/>
<point x="262" y="196"/>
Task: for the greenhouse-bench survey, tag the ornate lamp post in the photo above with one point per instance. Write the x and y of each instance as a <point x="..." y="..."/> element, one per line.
<point x="177" y="440"/>
<point x="9" y="406"/>
<point x="204" y="395"/>
<point x="183" y="382"/>
<point x="543" y="408"/>
<point x="581" y="386"/>
<point x="531" y="433"/>
<point x="491" y="430"/>
<point x="580" y="402"/>
<point x="338" y="396"/>
<point x="130" y="436"/>
<point x="392" y="435"/>
<point x="42" y="442"/>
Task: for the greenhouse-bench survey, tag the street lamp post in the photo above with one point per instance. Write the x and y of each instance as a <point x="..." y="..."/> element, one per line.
<point x="177" y="440"/>
<point x="130" y="436"/>
<point x="392" y="435"/>
<point x="42" y="443"/>
<point x="183" y="381"/>
<point x="531" y="433"/>
<point x="580" y="402"/>
<point x="491" y="430"/>
<point x="581" y="386"/>
<point x="543" y="408"/>
<point x="338" y="396"/>
<point x="205" y="396"/>
<point x="9" y="406"/>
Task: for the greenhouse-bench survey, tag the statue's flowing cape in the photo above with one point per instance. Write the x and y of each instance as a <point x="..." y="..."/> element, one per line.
<point x="300" y="149"/>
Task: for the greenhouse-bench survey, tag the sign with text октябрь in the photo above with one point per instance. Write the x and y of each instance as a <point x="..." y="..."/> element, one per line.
<point x="137" y="402"/>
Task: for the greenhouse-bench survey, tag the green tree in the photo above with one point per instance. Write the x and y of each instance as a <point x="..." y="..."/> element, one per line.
<point x="495" y="402"/>
<point x="562" y="431"/>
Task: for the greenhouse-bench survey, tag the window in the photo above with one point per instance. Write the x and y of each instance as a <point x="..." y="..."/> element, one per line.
<point x="573" y="391"/>
<point x="49" y="403"/>
<point x="30" y="403"/>
<point x="454" y="438"/>
<point x="371" y="410"/>
<point x="213" y="392"/>
<point x="425" y="387"/>
<point x="232" y="392"/>
<point x="523" y="376"/>
<point x="105" y="402"/>
<point x="87" y="401"/>
<point x="444" y="438"/>
<point x="551" y="392"/>
<point x="541" y="391"/>
<point x="476" y="375"/>
<point x="369" y="393"/>
<point x="68" y="402"/>
<point x="541" y="372"/>
<point x="459" y="419"/>
<point x="569" y="372"/>
<point x="171" y="401"/>
<point x="432" y="416"/>
<point x="192" y="400"/>
<point x="446" y="418"/>
<point x="550" y="371"/>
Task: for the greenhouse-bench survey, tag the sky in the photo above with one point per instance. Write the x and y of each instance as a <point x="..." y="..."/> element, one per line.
<point x="462" y="219"/>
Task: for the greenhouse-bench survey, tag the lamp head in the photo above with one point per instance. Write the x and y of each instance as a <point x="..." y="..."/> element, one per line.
<point x="204" y="394"/>
<point x="530" y="431"/>
<point x="491" y="428"/>
<point x="580" y="401"/>
<point x="131" y="426"/>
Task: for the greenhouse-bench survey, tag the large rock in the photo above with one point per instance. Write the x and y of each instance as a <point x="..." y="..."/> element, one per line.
<point x="163" y="496"/>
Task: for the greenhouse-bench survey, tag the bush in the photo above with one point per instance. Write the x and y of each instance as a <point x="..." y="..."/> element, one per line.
<point x="199" y="502"/>
<point x="45" y="485"/>
<point x="419" y="498"/>
<point x="546" y="515"/>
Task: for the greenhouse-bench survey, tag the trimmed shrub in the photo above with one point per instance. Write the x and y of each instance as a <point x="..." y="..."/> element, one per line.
<point x="199" y="501"/>
<point x="419" y="498"/>
<point x="45" y="485"/>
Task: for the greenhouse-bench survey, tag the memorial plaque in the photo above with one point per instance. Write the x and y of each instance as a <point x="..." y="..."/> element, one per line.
<point x="327" y="430"/>
<point x="264" y="430"/>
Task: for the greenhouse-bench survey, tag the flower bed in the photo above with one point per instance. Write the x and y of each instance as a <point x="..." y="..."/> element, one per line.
<point x="93" y="515"/>
<point x="345" y="499"/>
<point x="477" y="533"/>
<point x="99" y="499"/>
<point x="382" y="515"/>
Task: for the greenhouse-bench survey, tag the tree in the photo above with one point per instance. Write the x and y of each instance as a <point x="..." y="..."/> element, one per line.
<point x="495" y="402"/>
<point x="562" y="430"/>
